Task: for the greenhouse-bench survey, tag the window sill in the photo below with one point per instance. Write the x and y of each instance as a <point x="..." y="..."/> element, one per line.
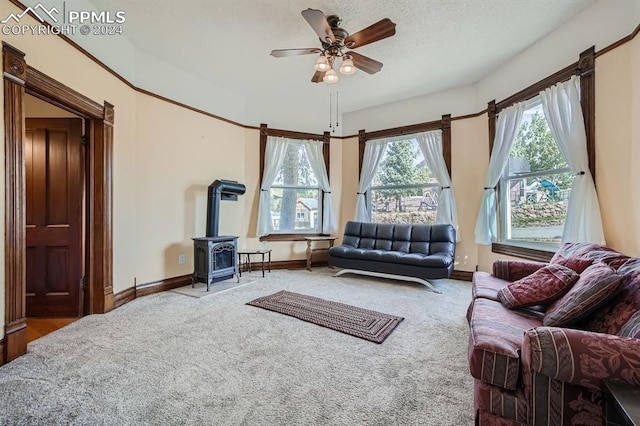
<point x="290" y="237"/>
<point x="523" y="251"/>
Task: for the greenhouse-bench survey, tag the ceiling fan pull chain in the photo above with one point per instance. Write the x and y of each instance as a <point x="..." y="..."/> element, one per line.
<point x="330" y="127"/>
<point x="337" y="109"/>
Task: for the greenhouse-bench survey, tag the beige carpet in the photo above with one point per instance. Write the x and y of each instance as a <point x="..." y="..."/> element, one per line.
<point x="167" y="359"/>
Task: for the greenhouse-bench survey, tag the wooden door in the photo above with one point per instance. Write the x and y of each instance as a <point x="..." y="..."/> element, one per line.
<point x="54" y="197"/>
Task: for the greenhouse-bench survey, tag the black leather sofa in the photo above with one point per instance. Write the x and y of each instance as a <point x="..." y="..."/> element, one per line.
<point x="407" y="252"/>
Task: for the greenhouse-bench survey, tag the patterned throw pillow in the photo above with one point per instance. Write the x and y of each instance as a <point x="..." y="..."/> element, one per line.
<point x="632" y="327"/>
<point x="594" y="252"/>
<point x="543" y="286"/>
<point x="577" y="264"/>
<point x="596" y="285"/>
<point x="610" y="318"/>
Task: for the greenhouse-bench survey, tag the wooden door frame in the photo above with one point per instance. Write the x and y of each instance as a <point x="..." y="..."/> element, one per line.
<point x="20" y="79"/>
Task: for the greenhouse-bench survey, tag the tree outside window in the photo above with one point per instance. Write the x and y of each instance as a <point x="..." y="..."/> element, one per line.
<point x="536" y="184"/>
<point x="403" y="189"/>
<point x="295" y="194"/>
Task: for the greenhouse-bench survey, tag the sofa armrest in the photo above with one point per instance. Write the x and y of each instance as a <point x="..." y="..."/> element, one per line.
<point x="513" y="270"/>
<point x="582" y="357"/>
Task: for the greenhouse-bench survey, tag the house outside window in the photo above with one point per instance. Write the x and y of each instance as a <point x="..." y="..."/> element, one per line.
<point x="403" y="189"/>
<point x="296" y="195"/>
<point x="535" y="186"/>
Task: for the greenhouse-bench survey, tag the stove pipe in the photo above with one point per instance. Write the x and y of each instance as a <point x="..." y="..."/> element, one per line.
<point x="220" y="190"/>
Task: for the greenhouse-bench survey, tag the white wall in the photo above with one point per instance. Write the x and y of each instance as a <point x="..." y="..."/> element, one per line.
<point x="420" y="109"/>
<point x="603" y="22"/>
<point x="179" y="154"/>
<point x="311" y="116"/>
<point x="600" y="24"/>
<point x="182" y="86"/>
<point x="635" y="134"/>
<point x="117" y="52"/>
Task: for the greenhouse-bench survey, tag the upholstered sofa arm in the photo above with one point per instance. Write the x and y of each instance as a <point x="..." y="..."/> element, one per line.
<point x="582" y="357"/>
<point x="513" y="270"/>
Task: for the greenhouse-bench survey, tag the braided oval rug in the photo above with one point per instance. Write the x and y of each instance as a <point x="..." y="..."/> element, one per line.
<point x="364" y="323"/>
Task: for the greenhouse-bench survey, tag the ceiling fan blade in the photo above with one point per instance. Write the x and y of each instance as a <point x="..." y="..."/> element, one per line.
<point x="319" y="23"/>
<point x="378" y="31"/>
<point x="281" y="53"/>
<point x="317" y="77"/>
<point x="368" y="65"/>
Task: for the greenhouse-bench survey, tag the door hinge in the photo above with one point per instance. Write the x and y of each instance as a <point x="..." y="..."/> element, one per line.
<point x="83" y="140"/>
<point x="83" y="282"/>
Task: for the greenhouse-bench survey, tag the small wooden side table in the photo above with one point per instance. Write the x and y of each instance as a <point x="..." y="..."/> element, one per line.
<point x="311" y="250"/>
<point x="247" y="262"/>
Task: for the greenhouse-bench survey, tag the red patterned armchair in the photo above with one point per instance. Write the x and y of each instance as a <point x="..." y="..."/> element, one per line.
<point x="544" y="336"/>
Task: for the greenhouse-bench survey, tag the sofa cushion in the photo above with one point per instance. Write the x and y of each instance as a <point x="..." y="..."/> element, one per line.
<point x="576" y="264"/>
<point x="594" y="252"/>
<point x="486" y="285"/>
<point x="542" y="287"/>
<point x="611" y="317"/>
<point x="495" y="339"/>
<point x="346" y="251"/>
<point x="376" y="255"/>
<point x="596" y="285"/>
<point x="419" y="259"/>
<point x="513" y="270"/>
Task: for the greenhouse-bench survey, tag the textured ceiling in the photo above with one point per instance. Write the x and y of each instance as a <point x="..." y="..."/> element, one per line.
<point x="439" y="44"/>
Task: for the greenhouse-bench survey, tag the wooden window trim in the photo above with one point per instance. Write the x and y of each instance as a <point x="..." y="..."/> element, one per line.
<point x="265" y="131"/>
<point x="523" y="252"/>
<point x="290" y="237"/>
<point x="443" y="124"/>
<point x="585" y="68"/>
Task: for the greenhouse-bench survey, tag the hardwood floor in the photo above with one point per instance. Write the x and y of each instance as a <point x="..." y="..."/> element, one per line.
<point x="38" y="327"/>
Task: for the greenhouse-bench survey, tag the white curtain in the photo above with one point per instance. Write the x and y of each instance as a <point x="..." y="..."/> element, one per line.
<point x="562" y="109"/>
<point x="508" y="121"/>
<point x="373" y="153"/>
<point x="273" y="157"/>
<point x="430" y="144"/>
<point x="314" y="152"/>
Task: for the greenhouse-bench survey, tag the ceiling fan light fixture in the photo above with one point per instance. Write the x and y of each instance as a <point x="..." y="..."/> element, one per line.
<point x="330" y="77"/>
<point x="322" y="64"/>
<point x="347" y="67"/>
<point x="334" y="41"/>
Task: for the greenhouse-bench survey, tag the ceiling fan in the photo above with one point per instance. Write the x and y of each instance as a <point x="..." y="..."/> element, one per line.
<point x="335" y="41"/>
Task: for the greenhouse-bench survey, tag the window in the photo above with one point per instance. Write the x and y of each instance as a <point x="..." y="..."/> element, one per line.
<point x="295" y="195"/>
<point x="403" y="189"/>
<point x="515" y="228"/>
<point x="294" y="186"/>
<point x="535" y="186"/>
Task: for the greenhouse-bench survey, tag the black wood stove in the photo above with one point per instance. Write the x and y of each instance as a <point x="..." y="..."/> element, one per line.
<point x="215" y="257"/>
